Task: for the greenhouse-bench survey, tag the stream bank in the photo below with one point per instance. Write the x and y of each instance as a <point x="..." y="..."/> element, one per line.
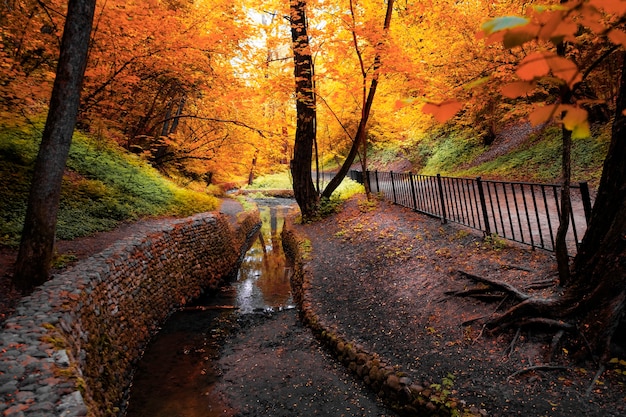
<point x="253" y="359"/>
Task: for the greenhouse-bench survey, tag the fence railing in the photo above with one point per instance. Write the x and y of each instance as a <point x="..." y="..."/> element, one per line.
<point x="523" y="212"/>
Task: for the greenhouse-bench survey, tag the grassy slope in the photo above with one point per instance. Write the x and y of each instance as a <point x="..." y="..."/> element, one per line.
<point x="537" y="158"/>
<point x="103" y="185"/>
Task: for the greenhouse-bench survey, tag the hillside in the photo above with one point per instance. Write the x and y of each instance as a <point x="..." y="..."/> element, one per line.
<point x="518" y="152"/>
<point x="103" y="185"/>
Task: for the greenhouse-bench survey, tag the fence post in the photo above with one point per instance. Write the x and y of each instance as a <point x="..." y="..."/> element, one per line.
<point x="441" y="199"/>
<point x="393" y="187"/>
<point x="377" y="184"/>
<point x="584" y="194"/>
<point x="413" y="191"/>
<point x="483" y="205"/>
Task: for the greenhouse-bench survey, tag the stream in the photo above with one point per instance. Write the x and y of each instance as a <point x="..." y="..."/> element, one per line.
<point x="176" y="375"/>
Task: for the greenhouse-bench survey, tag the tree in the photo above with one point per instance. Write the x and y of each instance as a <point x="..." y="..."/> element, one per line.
<point x="303" y="188"/>
<point x="360" y="138"/>
<point x="37" y="244"/>
<point x="593" y="300"/>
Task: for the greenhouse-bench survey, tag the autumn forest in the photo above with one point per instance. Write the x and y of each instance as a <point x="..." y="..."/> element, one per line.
<point x="113" y="111"/>
<point x="204" y="88"/>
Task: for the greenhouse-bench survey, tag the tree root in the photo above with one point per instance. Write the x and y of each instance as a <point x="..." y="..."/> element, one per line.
<point x="539" y="285"/>
<point x="556" y="339"/>
<point x="514" y="341"/>
<point x="496" y="285"/>
<point x="537" y="368"/>
<point x="593" y="381"/>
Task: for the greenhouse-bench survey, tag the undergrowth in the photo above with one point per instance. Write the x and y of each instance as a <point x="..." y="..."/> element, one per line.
<point x="450" y="151"/>
<point x="102" y="186"/>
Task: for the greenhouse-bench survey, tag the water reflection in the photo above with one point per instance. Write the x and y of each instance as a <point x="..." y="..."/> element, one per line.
<point x="175" y="378"/>
<point x="263" y="279"/>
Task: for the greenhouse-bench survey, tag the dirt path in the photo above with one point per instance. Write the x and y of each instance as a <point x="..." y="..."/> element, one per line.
<point x="383" y="275"/>
<point x="275" y="367"/>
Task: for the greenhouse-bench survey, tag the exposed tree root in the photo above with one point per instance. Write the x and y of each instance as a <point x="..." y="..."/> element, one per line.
<point x="497" y="285"/>
<point x="594" y="380"/>
<point x="519" y="267"/>
<point x="539" y="322"/>
<point x="514" y="341"/>
<point x="541" y="284"/>
<point x="556" y="340"/>
<point x="480" y="293"/>
<point x="537" y="368"/>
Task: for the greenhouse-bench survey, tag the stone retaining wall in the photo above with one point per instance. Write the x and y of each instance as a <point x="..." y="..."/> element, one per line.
<point x="388" y="381"/>
<point x="70" y="347"/>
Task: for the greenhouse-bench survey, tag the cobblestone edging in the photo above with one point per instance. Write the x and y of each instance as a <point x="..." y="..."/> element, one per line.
<point x="389" y="382"/>
<point x="70" y="347"/>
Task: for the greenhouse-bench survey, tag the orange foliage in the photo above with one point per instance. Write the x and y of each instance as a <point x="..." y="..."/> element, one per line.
<point x="205" y="86"/>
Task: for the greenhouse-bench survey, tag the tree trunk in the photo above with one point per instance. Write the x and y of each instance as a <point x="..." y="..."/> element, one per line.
<point x="561" y="253"/>
<point x="303" y="188"/>
<point x="361" y="134"/>
<point x="595" y="296"/>
<point x="37" y="242"/>
<point x="560" y="249"/>
<point x="599" y="278"/>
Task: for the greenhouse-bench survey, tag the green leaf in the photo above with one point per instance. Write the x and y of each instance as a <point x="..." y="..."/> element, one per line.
<point x="503" y="23"/>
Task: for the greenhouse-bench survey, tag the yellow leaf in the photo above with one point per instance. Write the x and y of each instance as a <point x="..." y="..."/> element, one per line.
<point x="443" y="111"/>
<point x="534" y="65"/>
<point x="517" y="89"/>
<point x="575" y="119"/>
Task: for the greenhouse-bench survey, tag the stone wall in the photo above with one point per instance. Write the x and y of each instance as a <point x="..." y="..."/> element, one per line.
<point x="70" y="347"/>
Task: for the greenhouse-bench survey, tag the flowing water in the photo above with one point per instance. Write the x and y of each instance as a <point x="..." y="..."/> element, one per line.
<point x="175" y="377"/>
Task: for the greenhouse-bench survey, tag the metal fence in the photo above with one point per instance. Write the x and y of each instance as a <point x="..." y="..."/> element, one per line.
<point x="523" y="212"/>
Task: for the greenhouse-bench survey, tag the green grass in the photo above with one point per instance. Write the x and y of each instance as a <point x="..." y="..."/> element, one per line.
<point x="445" y="152"/>
<point x="277" y="181"/>
<point x="103" y="185"/>
<point x="452" y="152"/>
<point x="540" y="160"/>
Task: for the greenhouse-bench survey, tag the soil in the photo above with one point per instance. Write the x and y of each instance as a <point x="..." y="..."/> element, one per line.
<point x="381" y="274"/>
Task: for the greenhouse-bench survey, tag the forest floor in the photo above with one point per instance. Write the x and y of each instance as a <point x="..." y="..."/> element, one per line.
<point x="382" y="274"/>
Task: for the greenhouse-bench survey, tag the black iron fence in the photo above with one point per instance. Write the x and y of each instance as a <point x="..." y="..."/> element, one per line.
<point x="523" y="212"/>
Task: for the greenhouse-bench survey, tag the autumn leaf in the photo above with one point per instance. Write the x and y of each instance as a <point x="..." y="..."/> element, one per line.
<point x="443" y="111"/>
<point x="517" y="89"/>
<point x="542" y="114"/>
<point x="518" y="36"/>
<point x="617" y="37"/>
<point x="402" y="103"/>
<point x="576" y="120"/>
<point x="533" y="66"/>
<point x="564" y="69"/>
<point x="616" y="7"/>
